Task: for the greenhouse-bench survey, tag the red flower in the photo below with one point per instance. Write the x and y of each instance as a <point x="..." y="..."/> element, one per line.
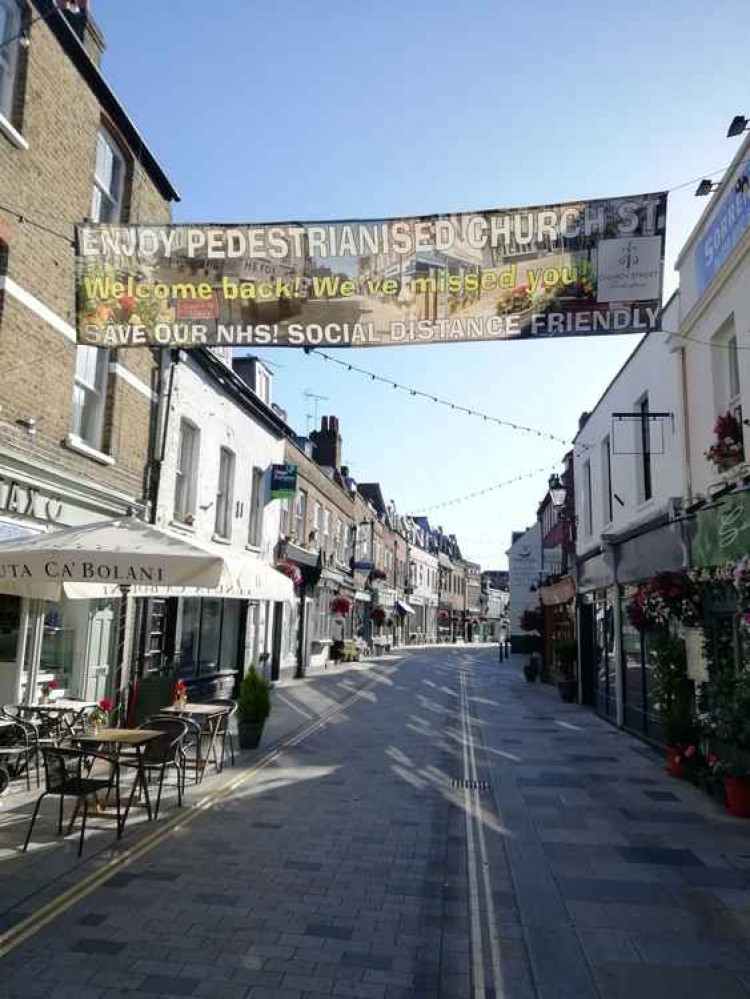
<point x="127" y="303"/>
<point x="52" y="685"/>
<point x="105" y="704"/>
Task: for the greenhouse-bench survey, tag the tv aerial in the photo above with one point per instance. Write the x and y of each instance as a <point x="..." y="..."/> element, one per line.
<point x="312" y="418"/>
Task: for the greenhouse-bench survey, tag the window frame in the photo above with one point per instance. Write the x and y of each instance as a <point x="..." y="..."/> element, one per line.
<point x="588" y="500"/>
<point x="255" y="519"/>
<point x="10" y="55"/>
<point x="734" y="385"/>
<point x="186" y="479"/>
<point x="300" y="515"/>
<point x="645" y="478"/>
<point x="608" y="509"/>
<point x="103" y="189"/>
<point x="95" y="392"/>
<point x="225" y="494"/>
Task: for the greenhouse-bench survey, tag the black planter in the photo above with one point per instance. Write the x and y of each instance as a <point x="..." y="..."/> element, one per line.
<point x="567" y="690"/>
<point x="249" y="734"/>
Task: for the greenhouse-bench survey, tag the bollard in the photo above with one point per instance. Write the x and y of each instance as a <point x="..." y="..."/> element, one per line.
<point x="500" y="650"/>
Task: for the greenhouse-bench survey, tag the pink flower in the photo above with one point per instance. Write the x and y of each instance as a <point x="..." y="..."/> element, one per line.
<point x="105" y="704"/>
<point x="690" y="751"/>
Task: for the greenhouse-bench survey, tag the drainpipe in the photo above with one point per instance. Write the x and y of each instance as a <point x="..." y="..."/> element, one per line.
<point x="168" y="358"/>
<point x="688" y="476"/>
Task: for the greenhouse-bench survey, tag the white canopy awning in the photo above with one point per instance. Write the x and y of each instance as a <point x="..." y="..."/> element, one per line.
<point x="98" y="560"/>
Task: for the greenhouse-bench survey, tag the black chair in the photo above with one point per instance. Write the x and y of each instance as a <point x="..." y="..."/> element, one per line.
<point x="64" y="776"/>
<point x="223" y="732"/>
<point x="17" y="750"/>
<point x="196" y="739"/>
<point x="44" y="729"/>
<point x="161" y="754"/>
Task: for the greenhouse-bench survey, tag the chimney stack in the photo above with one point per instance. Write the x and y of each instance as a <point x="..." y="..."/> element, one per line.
<point x="87" y="29"/>
<point x="327" y="443"/>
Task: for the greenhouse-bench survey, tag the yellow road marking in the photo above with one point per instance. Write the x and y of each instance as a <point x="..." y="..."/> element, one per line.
<point x="46" y="913"/>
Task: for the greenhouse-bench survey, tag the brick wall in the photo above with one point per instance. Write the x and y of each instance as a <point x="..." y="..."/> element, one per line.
<point x="50" y="184"/>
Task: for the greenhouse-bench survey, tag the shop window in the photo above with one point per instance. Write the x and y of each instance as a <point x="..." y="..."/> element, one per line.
<point x="90" y="395"/>
<point x="10" y="28"/>
<point x="186" y="479"/>
<point x="109" y="178"/>
<point x="209" y="632"/>
<point x="225" y="494"/>
<point x="255" y="529"/>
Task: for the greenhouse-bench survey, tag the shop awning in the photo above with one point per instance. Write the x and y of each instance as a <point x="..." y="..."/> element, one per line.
<point x="404" y="607"/>
<point x="95" y="561"/>
<point x="560" y="592"/>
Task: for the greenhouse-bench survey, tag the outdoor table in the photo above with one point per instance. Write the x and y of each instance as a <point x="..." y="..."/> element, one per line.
<point x="55" y="711"/>
<point x="116" y="738"/>
<point x="210" y="714"/>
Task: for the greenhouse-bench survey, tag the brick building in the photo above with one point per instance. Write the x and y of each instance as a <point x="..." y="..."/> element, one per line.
<point x="318" y="531"/>
<point x="77" y="425"/>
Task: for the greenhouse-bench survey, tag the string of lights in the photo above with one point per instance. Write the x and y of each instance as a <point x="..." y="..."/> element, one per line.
<point x="414" y="392"/>
<point x="483" y="492"/>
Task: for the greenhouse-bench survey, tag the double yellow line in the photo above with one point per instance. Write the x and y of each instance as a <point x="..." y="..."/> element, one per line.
<point x="50" y="911"/>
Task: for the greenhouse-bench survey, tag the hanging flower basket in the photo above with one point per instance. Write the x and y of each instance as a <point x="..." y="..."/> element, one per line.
<point x="378" y="615"/>
<point x="443" y="615"/>
<point x="378" y="574"/>
<point x="728" y="449"/>
<point x="292" y="571"/>
<point x="668" y="596"/>
<point x="340" y="606"/>
<point x="531" y="620"/>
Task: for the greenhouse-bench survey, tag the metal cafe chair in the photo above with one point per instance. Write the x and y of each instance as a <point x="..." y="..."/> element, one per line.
<point x="17" y="750"/>
<point x="64" y="776"/>
<point x="10" y="712"/>
<point x="224" y="732"/>
<point x="161" y="754"/>
<point x="195" y="737"/>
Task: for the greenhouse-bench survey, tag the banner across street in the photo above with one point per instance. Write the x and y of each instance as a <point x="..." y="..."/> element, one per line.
<point x="576" y="269"/>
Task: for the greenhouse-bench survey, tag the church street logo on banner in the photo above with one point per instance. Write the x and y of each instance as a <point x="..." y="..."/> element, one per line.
<point x="577" y="269"/>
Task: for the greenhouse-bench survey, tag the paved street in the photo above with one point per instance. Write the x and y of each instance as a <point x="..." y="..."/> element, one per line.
<point x="355" y="862"/>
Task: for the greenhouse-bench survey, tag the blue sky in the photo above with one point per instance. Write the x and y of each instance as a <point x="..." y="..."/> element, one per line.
<point x="332" y="110"/>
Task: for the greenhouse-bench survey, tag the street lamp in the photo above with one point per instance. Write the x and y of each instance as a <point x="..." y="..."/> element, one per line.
<point x="737" y="126"/>
<point x="705" y="188"/>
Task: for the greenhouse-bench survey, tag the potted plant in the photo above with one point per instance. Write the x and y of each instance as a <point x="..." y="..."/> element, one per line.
<point x="46" y="690"/>
<point x="566" y="653"/>
<point x="730" y="703"/>
<point x="253" y="707"/>
<point x="728" y="449"/>
<point x="672" y="691"/>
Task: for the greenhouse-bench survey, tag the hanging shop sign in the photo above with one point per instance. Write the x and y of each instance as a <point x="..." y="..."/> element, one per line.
<point x="721" y="533"/>
<point x="283" y="481"/>
<point x="576" y="269"/>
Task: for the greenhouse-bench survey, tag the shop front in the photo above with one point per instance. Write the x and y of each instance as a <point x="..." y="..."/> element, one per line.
<point x="71" y="643"/>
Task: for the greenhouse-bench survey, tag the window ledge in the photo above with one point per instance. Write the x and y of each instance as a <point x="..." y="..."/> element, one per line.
<point x="255" y="549"/>
<point x="12" y="134"/>
<point x="220" y="539"/>
<point x="180" y="525"/>
<point x="74" y="443"/>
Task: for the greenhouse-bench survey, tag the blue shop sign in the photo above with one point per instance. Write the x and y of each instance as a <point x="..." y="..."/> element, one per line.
<point x="731" y="222"/>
